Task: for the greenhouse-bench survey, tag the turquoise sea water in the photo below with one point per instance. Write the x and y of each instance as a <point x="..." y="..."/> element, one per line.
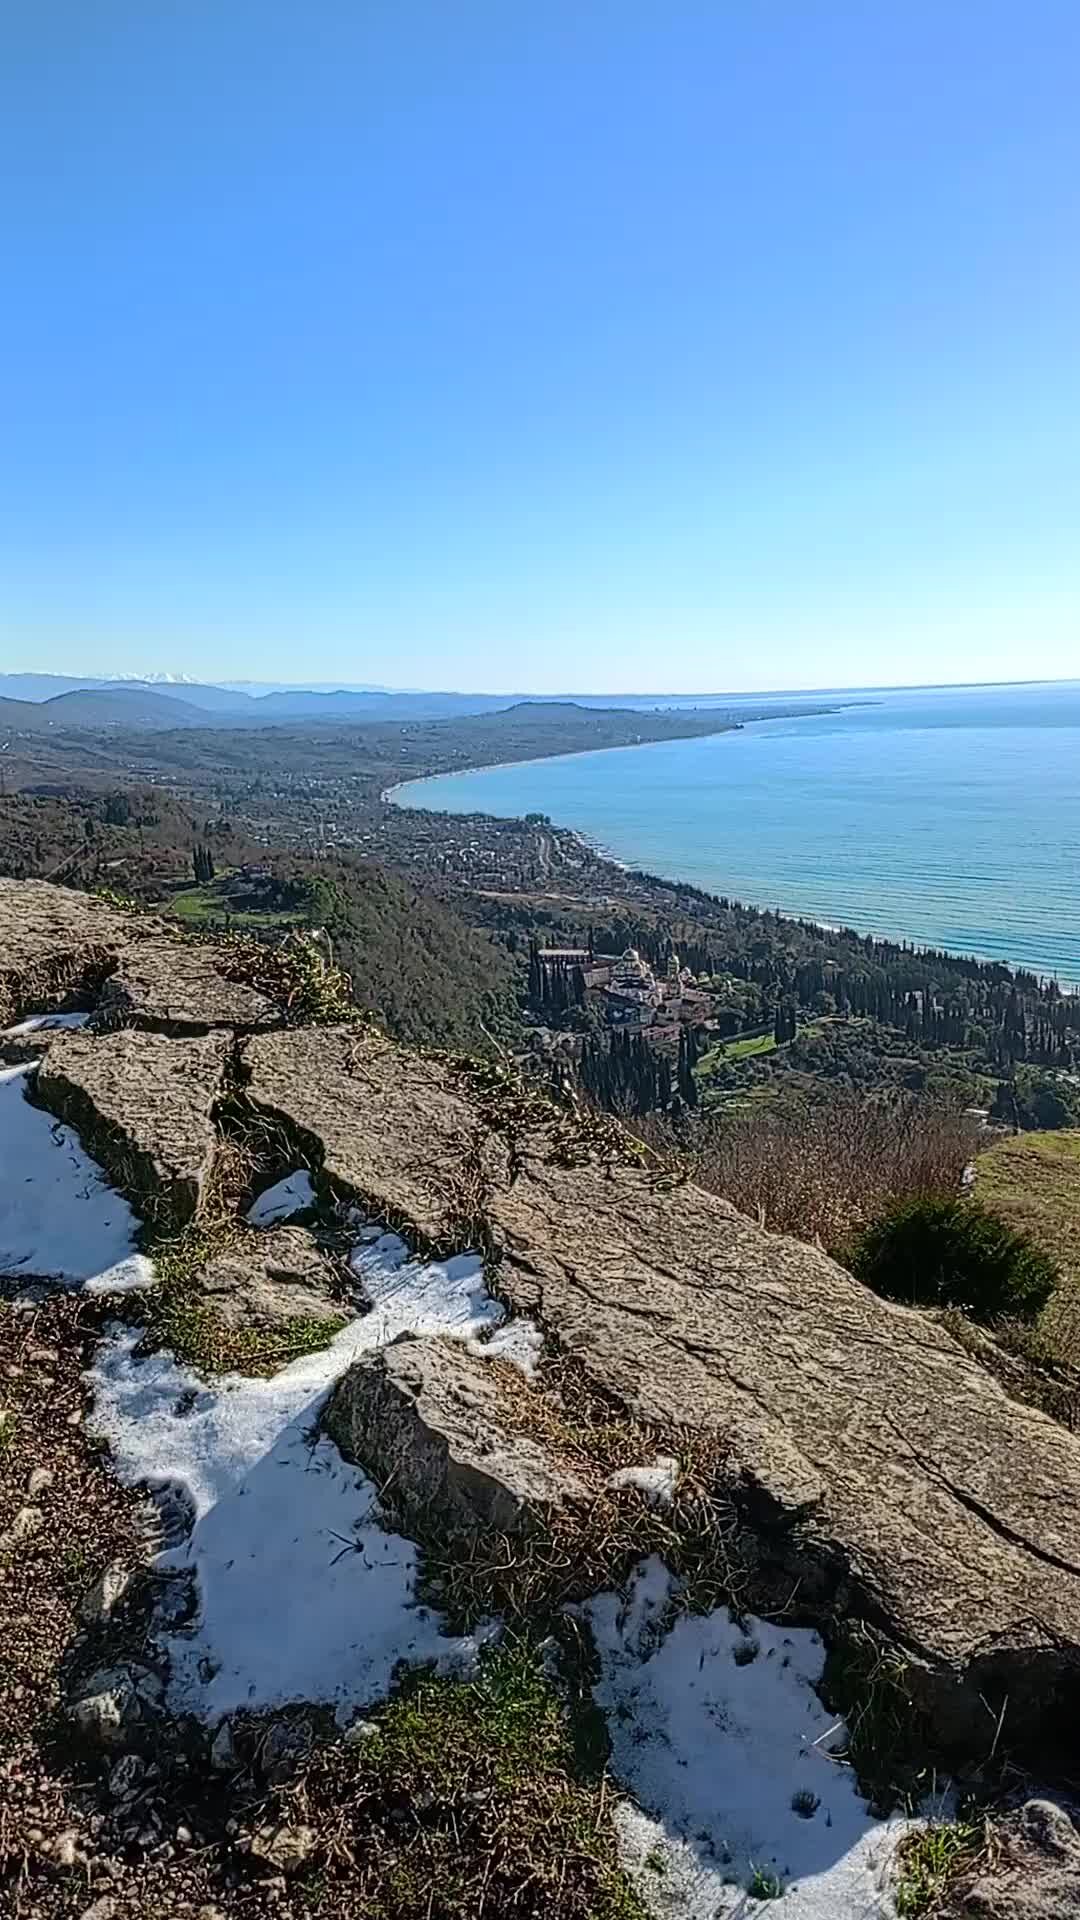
<point x="947" y="817"/>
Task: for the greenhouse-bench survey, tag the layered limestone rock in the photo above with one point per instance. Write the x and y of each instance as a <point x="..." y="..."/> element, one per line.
<point x="430" y="1419"/>
<point x="266" y="1279"/>
<point x="405" y="1133"/>
<point x="886" y="1475"/>
<point x="177" y="986"/>
<point x="143" y="1105"/>
<point x="53" y="942"/>
<point x="883" y="1474"/>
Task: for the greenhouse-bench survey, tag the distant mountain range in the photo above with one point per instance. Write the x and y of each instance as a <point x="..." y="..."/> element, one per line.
<point x="63" y="700"/>
<point x="32" y="701"/>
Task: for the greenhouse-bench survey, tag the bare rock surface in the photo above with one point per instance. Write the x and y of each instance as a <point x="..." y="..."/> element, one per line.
<point x="429" y="1418"/>
<point x="52" y="941"/>
<point x="176" y="986"/>
<point x="143" y="1106"/>
<point x="400" y="1136"/>
<point x="266" y="1279"/>
<point x="1034" y="1872"/>
<point x="881" y="1467"/>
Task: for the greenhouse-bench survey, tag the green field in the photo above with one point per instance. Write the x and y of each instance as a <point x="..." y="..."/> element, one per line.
<point x="743" y="1048"/>
<point x="1033" y="1181"/>
<point x="205" y="906"/>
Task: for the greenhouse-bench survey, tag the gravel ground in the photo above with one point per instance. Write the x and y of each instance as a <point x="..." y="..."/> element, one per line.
<point x="85" y="1833"/>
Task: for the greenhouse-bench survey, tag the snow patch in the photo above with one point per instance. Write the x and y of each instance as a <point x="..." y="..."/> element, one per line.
<point x="37" y="1022"/>
<point x="718" y="1733"/>
<point x="657" y="1483"/>
<point x="294" y="1194"/>
<point x="59" y="1218"/>
<point x="518" y="1341"/>
<point x="303" y="1596"/>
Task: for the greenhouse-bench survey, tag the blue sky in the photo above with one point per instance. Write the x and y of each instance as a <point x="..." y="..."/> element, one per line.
<point x="648" y="345"/>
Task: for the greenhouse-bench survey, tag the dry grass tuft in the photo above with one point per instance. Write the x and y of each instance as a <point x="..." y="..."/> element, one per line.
<point x="822" y="1171"/>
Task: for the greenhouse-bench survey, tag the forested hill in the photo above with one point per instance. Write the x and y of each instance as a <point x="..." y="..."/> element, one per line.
<point x="415" y="963"/>
<point x="428" y="977"/>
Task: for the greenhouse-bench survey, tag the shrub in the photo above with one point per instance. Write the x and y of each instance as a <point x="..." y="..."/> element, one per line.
<point x="824" y="1169"/>
<point x="940" y="1251"/>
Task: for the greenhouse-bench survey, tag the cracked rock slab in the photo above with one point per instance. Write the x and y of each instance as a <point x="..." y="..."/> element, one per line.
<point x="879" y="1465"/>
<point x="265" y="1279"/>
<point x="54" y="941"/>
<point x="427" y="1418"/>
<point x="175" y="986"/>
<point x="399" y="1135"/>
<point x="881" y="1470"/>
<point x="143" y="1105"/>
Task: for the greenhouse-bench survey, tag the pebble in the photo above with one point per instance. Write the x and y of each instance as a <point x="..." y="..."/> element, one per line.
<point x="41" y="1479"/>
<point x="183" y="1836"/>
<point x="102" y="1909"/>
<point x="28" y="1521"/>
<point x="65" y="1849"/>
<point x="98" y="1605"/>
<point x="74" y="1418"/>
<point x="283" y="1847"/>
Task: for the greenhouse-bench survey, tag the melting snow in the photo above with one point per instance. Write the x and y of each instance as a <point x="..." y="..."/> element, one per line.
<point x="59" y="1218"/>
<point x="36" y="1022"/>
<point x="302" y="1595"/>
<point x="720" y="1736"/>
<point x="294" y="1194"/>
<point x="657" y="1483"/>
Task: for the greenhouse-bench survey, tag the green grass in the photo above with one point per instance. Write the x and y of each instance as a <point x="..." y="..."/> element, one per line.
<point x="1033" y="1181"/>
<point x="197" y="1335"/>
<point x="202" y="906"/>
<point x="199" y="906"/>
<point x="930" y="1861"/>
<point x="747" y="1047"/>
<point x="468" y="1797"/>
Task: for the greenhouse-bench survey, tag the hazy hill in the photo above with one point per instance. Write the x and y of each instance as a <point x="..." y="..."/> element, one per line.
<point x="87" y="707"/>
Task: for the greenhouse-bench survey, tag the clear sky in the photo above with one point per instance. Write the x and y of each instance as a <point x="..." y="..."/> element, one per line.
<point x="642" y="345"/>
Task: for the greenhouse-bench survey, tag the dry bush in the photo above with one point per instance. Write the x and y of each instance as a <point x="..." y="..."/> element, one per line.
<point x="824" y="1170"/>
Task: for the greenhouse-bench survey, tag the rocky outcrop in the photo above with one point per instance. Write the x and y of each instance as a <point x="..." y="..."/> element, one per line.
<point x="430" y="1420"/>
<point x="881" y="1472"/>
<point x="53" y="942"/>
<point x="143" y="1105"/>
<point x="266" y="1279"/>
<point x="176" y="986"/>
<point x="401" y="1138"/>
<point x="884" y="1473"/>
<point x="1032" y="1871"/>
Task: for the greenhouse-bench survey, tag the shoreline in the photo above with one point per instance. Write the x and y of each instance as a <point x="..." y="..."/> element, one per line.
<point x="536" y="760"/>
<point x="626" y="867"/>
<point x="732" y="724"/>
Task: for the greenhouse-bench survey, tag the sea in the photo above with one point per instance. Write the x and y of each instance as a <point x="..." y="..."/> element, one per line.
<point x="949" y="817"/>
